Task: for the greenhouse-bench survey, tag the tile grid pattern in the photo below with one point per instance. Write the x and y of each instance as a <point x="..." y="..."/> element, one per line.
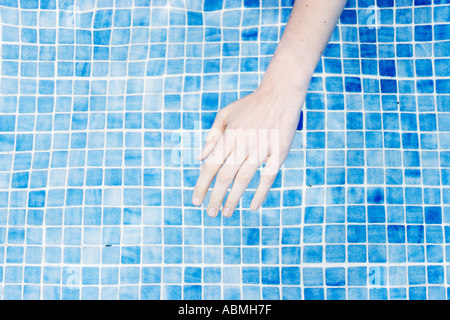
<point x="91" y="129"/>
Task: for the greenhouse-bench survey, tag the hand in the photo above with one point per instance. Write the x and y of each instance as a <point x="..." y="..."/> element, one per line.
<point x="256" y="129"/>
<point x="260" y="127"/>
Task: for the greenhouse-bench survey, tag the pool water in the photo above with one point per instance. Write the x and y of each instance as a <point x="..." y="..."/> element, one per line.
<point x="104" y="105"/>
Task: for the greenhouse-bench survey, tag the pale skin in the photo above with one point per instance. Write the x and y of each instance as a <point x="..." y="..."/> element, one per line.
<point x="259" y="128"/>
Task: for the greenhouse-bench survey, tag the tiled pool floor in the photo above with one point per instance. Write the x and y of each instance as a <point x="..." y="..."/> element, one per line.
<point x="102" y="108"/>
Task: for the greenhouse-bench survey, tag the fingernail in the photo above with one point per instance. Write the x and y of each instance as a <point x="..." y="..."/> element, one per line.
<point x="255" y="205"/>
<point x="196" y="201"/>
<point x="226" y="212"/>
<point x="212" y="212"/>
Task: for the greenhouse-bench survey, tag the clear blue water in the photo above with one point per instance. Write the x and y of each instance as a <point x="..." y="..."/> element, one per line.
<point x="103" y="105"/>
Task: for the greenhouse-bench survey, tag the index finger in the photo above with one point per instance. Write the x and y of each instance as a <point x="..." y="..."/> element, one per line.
<point x="209" y="170"/>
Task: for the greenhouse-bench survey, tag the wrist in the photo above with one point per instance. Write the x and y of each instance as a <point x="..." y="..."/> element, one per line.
<point x="285" y="77"/>
<point x="288" y="69"/>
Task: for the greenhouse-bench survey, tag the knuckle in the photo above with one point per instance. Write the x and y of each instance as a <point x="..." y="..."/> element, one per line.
<point x="268" y="178"/>
<point x="201" y="187"/>
<point x="224" y="177"/>
<point x="220" y="115"/>
<point x="208" y="169"/>
<point x="213" y="134"/>
<point x="244" y="177"/>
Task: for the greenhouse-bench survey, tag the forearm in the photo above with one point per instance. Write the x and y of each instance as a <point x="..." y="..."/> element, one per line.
<point x="306" y="35"/>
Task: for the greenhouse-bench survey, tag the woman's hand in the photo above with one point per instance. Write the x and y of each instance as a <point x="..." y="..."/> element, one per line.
<point x="260" y="127"/>
<point x="256" y="129"/>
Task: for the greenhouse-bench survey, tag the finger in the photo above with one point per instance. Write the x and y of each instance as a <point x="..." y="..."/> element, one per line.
<point x="214" y="134"/>
<point x="223" y="181"/>
<point x="209" y="170"/>
<point x="242" y="180"/>
<point x="268" y="175"/>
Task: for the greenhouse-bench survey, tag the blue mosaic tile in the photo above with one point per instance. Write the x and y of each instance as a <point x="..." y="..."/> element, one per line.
<point x="104" y="103"/>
